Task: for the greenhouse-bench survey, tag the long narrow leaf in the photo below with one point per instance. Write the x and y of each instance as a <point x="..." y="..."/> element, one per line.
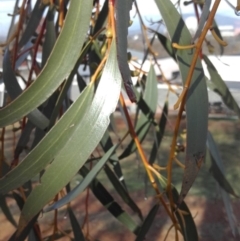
<point x="159" y="133"/>
<point x="122" y="9"/>
<point x="122" y="191"/>
<point x="50" y="36"/>
<point x="14" y="90"/>
<point x="221" y="87"/>
<point x="59" y="66"/>
<point x="6" y="211"/>
<point x="143" y="124"/>
<point x="53" y="142"/>
<point x="87" y="135"/>
<point x="84" y="184"/>
<point x="217" y="168"/>
<point x="197" y="98"/>
<point x="203" y="19"/>
<point x="219" y="174"/>
<point x="110" y="204"/>
<point x="77" y="231"/>
<point x="107" y="143"/>
<point x="166" y="43"/>
<point x="147" y="223"/>
<point x="185" y="220"/>
<point x="33" y="22"/>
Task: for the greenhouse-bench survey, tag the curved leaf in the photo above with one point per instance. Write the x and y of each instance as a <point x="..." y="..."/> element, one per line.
<point x="50" y="145"/>
<point x="50" y="36"/>
<point x="217" y="168"/>
<point x="166" y="44"/>
<point x="143" y="124"/>
<point x="122" y="9"/>
<point x="77" y="231"/>
<point x="203" y="19"/>
<point x="59" y="65"/>
<point x="33" y="22"/>
<point x="85" y="138"/>
<point x="6" y="211"/>
<point x="122" y="191"/>
<point x="14" y="90"/>
<point x="67" y="85"/>
<point x="186" y="221"/>
<point x="106" y="144"/>
<point x="197" y="97"/>
<point x="110" y="204"/>
<point x="221" y="88"/>
<point x="84" y="184"/>
<point x="159" y="133"/>
<point x="147" y="223"/>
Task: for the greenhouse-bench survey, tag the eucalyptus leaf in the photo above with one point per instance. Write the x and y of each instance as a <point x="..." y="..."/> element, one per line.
<point x="110" y="204"/>
<point x="85" y="138"/>
<point x="84" y="184"/>
<point x="217" y="168"/>
<point x="77" y="231"/>
<point x="221" y="87"/>
<point x="122" y="9"/>
<point x="59" y="66"/>
<point x="6" y="211"/>
<point x="122" y="191"/>
<point x="147" y="223"/>
<point x="166" y="43"/>
<point x="203" y="19"/>
<point x="33" y="22"/>
<point x="197" y="96"/>
<point x="14" y="90"/>
<point x="50" y="36"/>
<point x="50" y="145"/>
<point x="143" y="123"/>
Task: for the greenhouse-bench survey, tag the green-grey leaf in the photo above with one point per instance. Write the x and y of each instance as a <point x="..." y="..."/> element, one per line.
<point x="226" y="187"/>
<point x="187" y="224"/>
<point x="14" y="90"/>
<point x="84" y="184"/>
<point x="59" y="65"/>
<point x="217" y="168"/>
<point x="197" y="97"/>
<point x="50" y="36"/>
<point x="77" y="231"/>
<point x="143" y="124"/>
<point x="6" y="211"/>
<point x="110" y="204"/>
<point x="106" y="144"/>
<point x="217" y="31"/>
<point x="50" y="145"/>
<point x="67" y="85"/>
<point x="121" y="190"/>
<point x="147" y="223"/>
<point x="77" y="149"/>
<point x="122" y="9"/>
<point x="33" y="22"/>
<point x="221" y="88"/>
<point x="203" y="19"/>
<point x="159" y="133"/>
<point x="167" y="45"/>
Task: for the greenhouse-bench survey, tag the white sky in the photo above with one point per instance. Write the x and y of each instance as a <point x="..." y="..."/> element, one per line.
<point x="147" y="8"/>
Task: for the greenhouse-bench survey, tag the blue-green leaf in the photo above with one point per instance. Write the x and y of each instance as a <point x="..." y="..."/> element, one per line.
<point x="60" y="63"/>
<point x="147" y="223"/>
<point x="122" y="9"/>
<point x="143" y="124"/>
<point x="50" y="146"/>
<point x="197" y="96"/>
<point x="78" y="148"/>
<point x="221" y="88"/>
<point x="84" y="184"/>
